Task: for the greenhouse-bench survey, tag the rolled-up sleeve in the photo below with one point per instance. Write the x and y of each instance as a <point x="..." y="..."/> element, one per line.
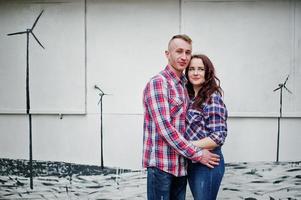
<point x="217" y="120"/>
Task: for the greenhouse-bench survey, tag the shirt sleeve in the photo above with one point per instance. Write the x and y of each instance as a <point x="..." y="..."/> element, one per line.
<point x="156" y="97"/>
<point x="217" y="119"/>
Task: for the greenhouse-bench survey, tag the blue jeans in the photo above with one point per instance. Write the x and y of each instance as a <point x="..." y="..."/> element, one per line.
<point x="204" y="182"/>
<point x="164" y="186"/>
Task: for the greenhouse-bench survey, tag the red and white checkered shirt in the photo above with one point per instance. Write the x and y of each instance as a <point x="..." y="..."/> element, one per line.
<point x="165" y="101"/>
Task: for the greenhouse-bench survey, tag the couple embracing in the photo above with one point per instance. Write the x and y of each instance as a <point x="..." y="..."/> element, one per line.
<point x="184" y="126"/>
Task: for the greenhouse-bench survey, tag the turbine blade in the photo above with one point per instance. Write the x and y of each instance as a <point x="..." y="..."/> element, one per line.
<point x="101" y="91"/>
<point x="34" y="24"/>
<point x="96" y="87"/>
<point x="17" y="33"/>
<point x="288" y="90"/>
<point x="37" y="40"/>
<point x="286" y="79"/>
<point x="276" y="89"/>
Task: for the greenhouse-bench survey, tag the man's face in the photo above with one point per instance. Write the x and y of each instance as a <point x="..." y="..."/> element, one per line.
<point x="179" y="55"/>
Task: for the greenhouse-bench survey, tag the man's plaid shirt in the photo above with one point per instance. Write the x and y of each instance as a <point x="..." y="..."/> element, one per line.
<point x="165" y="103"/>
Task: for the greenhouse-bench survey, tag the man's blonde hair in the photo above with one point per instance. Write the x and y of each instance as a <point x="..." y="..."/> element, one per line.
<point x="184" y="37"/>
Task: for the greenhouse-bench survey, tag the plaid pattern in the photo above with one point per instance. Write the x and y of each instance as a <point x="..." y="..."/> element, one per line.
<point x="209" y="122"/>
<point x="165" y="103"/>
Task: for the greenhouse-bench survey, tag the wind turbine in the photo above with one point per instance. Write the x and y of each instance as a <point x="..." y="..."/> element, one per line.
<point x="29" y="31"/>
<point x="280" y="87"/>
<point x="101" y="94"/>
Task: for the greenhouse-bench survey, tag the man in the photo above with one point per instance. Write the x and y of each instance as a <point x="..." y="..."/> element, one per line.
<point x="165" y="103"/>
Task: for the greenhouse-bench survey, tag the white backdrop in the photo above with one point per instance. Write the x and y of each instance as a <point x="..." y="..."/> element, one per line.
<point x="252" y="44"/>
<point x="56" y="73"/>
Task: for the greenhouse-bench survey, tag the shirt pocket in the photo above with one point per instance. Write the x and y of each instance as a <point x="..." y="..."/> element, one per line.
<point x="176" y="106"/>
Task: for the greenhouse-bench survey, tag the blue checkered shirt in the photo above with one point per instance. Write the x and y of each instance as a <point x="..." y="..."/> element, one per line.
<point x="208" y="121"/>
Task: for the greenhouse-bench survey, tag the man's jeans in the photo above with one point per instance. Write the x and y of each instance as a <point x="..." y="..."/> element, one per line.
<point x="164" y="186"/>
<point x="205" y="182"/>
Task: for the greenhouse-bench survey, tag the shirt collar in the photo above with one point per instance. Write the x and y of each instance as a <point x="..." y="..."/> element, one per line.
<point x="174" y="77"/>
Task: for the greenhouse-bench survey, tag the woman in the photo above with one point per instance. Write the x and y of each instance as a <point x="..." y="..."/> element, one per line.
<point x="207" y="127"/>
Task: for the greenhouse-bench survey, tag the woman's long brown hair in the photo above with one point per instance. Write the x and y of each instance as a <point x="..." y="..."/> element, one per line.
<point x="211" y="84"/>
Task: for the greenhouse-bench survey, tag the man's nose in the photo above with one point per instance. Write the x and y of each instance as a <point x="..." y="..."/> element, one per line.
<point x="184" y="56"/>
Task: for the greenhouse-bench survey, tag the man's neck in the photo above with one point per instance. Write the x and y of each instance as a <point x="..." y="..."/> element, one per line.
<point x="178" y="73"/>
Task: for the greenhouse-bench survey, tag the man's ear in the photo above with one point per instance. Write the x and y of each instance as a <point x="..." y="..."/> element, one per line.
<point x="166" y="53"/>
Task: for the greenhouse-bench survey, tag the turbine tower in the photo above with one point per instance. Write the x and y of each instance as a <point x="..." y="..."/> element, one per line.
<point x="29" y="31"/>
<point x="280" y="87"/>
<point x="101" y="94"/>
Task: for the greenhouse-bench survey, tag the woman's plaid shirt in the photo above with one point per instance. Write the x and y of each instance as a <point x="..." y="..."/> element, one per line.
<point x="208" y="121"/>
<point x="165" y="103"/>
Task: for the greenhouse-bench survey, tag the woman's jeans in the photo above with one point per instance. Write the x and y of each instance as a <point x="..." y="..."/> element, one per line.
<point x="165" y="186"/>
<point x="204" y="182"/>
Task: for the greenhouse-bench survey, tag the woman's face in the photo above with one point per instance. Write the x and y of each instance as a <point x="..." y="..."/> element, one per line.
<point x="196" y="72"/>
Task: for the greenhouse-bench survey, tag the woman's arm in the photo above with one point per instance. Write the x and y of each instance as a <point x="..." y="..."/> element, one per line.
<point x="205" y="143"/>
<point x="216" y="117"/>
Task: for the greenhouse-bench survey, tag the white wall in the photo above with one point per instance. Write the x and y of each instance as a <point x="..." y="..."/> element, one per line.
<point x="56" y="73"/>
<point x="255" y="139"/>
<point x="125" y="43"/>
<point x="253" y="46"/>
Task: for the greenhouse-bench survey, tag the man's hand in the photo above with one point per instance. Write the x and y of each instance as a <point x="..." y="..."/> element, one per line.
<point x="209" y="159"/>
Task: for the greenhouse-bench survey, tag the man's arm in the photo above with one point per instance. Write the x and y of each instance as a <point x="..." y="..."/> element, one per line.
<point x="158" y="107"/>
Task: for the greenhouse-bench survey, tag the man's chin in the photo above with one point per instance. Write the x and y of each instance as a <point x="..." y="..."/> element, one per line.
<point x="182" y="67"/>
